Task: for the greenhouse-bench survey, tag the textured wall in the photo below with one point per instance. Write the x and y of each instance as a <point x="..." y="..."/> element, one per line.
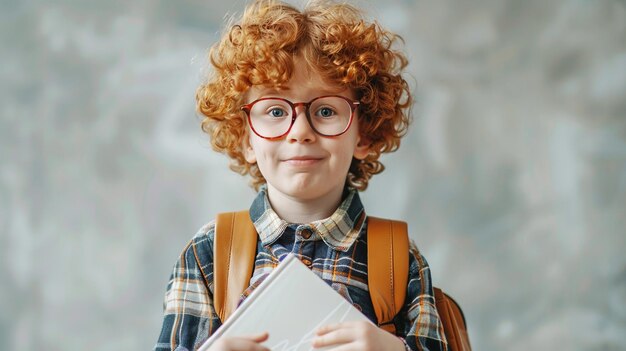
<point x="513" y="176"/>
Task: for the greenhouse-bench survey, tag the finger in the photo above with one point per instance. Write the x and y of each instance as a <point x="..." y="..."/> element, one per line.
<point x="343" y="325"/>
<point x="354" y="324"/>
<point x="330" y="327"/>
<point x="334" y="337"/>
<point x="348" y="347"/>
<point x="325" y="329"/>
<point x="257" y="337"/>
<point x="242" y="343"/>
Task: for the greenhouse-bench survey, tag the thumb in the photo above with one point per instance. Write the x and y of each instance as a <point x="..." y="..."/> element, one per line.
<point x="258" y="337"/>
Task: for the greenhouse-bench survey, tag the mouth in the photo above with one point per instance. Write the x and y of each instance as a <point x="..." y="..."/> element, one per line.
<point x="302" y="160"/>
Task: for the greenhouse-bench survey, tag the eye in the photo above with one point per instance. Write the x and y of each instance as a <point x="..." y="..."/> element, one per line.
<point x="277" y="112"/>
<point x="325" y="112"/>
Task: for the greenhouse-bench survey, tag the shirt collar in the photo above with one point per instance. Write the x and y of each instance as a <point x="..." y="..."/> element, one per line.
<point x="339" y="231"/>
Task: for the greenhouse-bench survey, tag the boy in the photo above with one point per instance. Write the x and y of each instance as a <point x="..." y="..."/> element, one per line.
<point x="304" y="102"/>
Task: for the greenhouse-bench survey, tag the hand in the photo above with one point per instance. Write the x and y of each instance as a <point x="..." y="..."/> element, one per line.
<point x="362" y="336"/>
<point x="241" y="343"/>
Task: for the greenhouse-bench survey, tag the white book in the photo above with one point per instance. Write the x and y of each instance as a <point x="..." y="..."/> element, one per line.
<point x="290" y="304"/>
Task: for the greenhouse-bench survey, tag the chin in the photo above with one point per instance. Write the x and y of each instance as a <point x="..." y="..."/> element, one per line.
<point x="304" y="190"/>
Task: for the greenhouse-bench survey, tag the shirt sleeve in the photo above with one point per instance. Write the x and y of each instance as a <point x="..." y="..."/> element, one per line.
<point x="189" y="316"/>
<point x="422" y="327"/>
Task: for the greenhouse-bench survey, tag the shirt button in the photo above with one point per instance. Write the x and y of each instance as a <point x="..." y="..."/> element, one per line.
<point x="306" y="233"/>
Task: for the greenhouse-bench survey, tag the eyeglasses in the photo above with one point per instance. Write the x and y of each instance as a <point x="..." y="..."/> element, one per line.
<point x="272" y="117"/>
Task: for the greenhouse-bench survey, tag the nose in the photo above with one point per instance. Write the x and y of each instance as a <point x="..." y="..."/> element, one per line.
<point x="301" y="131"/>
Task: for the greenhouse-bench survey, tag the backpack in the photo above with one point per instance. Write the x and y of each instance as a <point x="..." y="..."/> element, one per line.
<point x="387" y="272"/>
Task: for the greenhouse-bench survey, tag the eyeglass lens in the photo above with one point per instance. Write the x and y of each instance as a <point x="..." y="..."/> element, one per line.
<point x="327" y="115"/>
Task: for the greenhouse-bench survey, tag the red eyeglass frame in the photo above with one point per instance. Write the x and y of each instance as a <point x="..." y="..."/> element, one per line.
<point x="248" y="107"/>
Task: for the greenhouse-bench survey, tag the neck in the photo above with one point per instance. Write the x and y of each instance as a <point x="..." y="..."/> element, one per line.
<point x="302" y="210"/>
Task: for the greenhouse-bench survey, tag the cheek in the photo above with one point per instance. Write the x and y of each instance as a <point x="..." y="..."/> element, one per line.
<point x="262" y="150"/>
<point x="345" y="153"/>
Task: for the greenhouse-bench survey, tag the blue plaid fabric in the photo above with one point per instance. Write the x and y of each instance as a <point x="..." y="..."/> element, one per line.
<point x="335" y="249"/>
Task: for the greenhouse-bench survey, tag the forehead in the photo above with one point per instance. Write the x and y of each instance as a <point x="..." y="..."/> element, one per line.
<point x="305" y="84"/>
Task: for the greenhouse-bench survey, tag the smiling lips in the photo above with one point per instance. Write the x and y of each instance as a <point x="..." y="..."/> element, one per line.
<point x="302" y="160"/>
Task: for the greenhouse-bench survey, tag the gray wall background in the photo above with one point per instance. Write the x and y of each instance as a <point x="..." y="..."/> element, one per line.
<point x="512" y="178"/>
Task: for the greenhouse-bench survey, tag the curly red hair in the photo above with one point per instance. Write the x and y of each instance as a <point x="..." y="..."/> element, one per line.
<point x="338" y="44"/>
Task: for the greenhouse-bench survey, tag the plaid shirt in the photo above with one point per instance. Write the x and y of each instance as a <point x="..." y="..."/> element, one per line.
<point x="335" y="249"/>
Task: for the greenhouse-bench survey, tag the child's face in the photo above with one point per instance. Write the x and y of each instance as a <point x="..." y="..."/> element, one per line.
<point x="303" y="164"/>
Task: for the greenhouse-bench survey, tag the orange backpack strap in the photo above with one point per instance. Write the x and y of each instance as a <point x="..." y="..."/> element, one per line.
<point x="453" y="321"/>
<point x="234" y="251"/>
<point x="387" y="268"/>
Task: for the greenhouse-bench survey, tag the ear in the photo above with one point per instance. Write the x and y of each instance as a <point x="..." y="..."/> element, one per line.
<point x="362" y="148"/>
<point x="248" y="152"/>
